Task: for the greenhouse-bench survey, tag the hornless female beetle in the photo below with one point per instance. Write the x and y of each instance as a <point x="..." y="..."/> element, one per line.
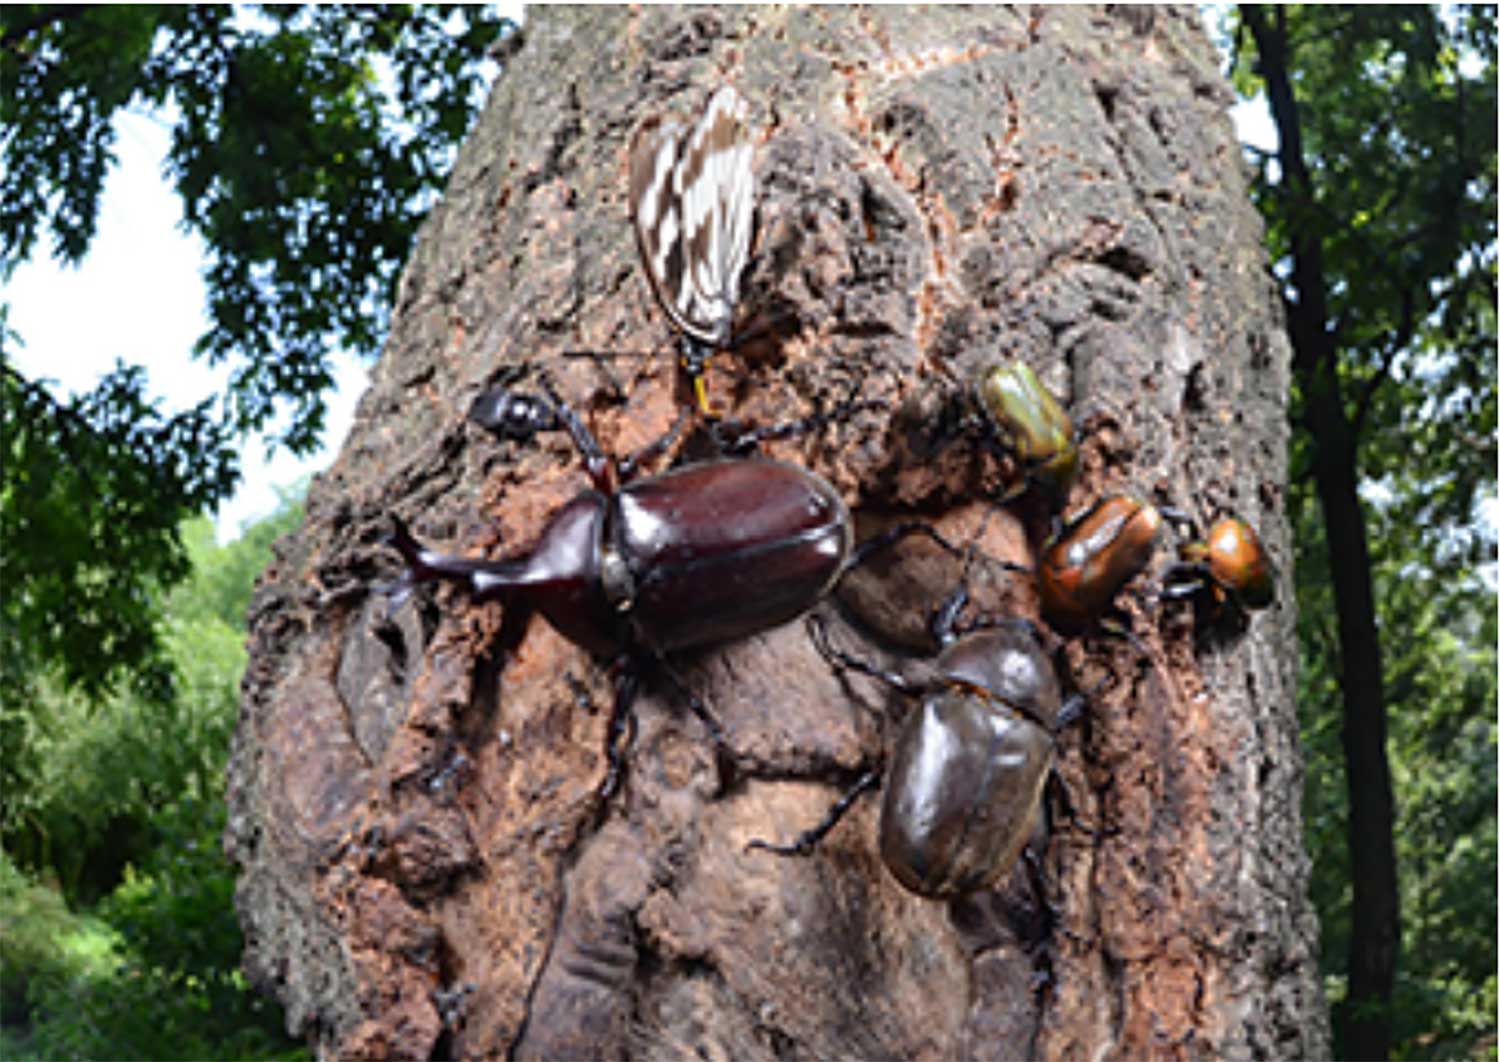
<point x="964" y="787"/>
<point x="1027" y="421"/>
<point x="700" y="554"/>
<point x="1085" y="564"/>
<point x="1230" y="565"/>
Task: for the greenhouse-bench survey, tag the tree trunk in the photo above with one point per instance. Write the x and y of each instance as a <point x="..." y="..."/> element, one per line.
<point x="426" y="868"/>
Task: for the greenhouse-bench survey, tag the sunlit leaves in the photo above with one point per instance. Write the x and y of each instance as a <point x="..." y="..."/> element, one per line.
<point x="122" y="802"/>
<point x="91" y="495"/>
<point x="307" y="145"/>
<point x="1397" y="113"/>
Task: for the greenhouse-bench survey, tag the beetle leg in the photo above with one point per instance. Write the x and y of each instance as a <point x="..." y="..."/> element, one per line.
<point x="985" y="621"/>
<point x="1110" y="625"/>
<point x="999" y="442"/>
<point x="600" y="468"/>
<point x="601" y="360"/>
<point x="1038" y="942"/>
<point x="1068" y="810"/>
<point x="652" y="450"/>
<point x="892" y="535"/>
<point x="838" y="658"/>
<point x="944" y="621"/>
<point x="1072" y="710"/>
<point x="1036" y="934"/>
<point x="621" y="733"/>
<point x="746" y="441"/>
<point x="698" y="708"/>
<point x="807" y="841"/>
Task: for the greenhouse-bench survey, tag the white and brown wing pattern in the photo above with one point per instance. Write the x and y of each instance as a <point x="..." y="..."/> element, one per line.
<point x="692" y="197"/>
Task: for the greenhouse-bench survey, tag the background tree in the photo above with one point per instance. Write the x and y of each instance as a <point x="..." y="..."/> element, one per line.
<point x="304" y="171"/>
<point x="131" y="949"/>
<point x="306" y="145"/>
<point x="426" y="869"/>
<point x="1380" y="202"/>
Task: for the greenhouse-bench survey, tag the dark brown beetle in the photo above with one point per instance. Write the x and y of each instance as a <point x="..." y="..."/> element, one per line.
<point x="1085" y="564"/>
<point x="701" y="554"/>
<point x="964" y="788"/>
<point x="1229" y="564"/>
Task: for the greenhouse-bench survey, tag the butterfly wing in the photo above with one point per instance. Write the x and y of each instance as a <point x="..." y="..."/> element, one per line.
<point x="692" y="196"/>
<point x="716" y="187"/>
<point x="654" y="209"/>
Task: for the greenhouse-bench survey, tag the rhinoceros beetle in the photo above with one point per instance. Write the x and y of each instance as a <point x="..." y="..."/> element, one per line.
<point x="1083" y="566"/>
<point x="963" y="790"/>
<point x="1025" y="419"/>
<point x="697" y="555"/>
<point x="1229" y="567"/>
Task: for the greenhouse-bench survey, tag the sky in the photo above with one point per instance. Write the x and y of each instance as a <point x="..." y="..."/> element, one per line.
<point x="138" y="297"/>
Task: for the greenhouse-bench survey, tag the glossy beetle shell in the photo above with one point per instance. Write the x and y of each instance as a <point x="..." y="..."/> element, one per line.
<point x="561" y="575"/>
<point x="723" y="549"/>
<point x="1083" y="568"/>
<point x="1032" y="423"/>
<point x="965" y="783"/>
<point x="1236" y="562"/>
<point x="701" y="554"/>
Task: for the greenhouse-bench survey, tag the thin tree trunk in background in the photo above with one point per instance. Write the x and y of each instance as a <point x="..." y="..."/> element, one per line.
<point x="425" y="869"/>
<point x="1375" y="930"/>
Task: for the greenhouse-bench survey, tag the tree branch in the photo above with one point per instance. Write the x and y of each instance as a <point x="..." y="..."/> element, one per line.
<point x="1309" y="319"/>
<point x="1399" y="338"/>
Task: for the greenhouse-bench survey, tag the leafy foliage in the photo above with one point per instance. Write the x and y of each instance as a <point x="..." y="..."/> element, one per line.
<point x="1441" y="668"/>
<point x="306" y="179"/>
<point x="1396" y="109"/>
<point x="173" y="988"/>
<point x="1398" y="124"/>
<point x="40" y="938"/>
<point x="96" y="772"/>
<point x="126" y="808"/>
<point x="92" y="495"/>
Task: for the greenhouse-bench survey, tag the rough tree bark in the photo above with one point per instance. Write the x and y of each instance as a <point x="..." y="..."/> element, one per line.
<point x="426" y="871"/>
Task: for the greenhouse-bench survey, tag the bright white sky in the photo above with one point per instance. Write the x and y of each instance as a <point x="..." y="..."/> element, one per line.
<point x="138" y="297"/>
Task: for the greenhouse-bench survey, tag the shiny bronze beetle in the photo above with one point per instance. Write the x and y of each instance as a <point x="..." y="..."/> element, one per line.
<point x="964" y="787"/>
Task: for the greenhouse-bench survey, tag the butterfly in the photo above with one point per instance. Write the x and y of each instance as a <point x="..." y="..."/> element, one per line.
<point x="692" y="200"/>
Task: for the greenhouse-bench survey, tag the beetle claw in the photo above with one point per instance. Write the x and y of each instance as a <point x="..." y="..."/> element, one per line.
<point x="807" y="841"/>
